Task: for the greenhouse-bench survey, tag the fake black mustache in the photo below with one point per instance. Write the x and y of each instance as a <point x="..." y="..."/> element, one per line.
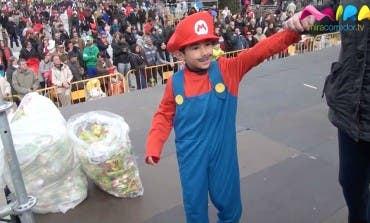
<point x="205" y="58"/>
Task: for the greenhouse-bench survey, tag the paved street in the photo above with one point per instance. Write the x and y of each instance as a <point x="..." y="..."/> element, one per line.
<point x="287" y="152"/>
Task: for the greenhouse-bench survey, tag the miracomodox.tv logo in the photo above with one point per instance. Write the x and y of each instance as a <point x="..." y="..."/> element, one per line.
<point x="347" y="13"/>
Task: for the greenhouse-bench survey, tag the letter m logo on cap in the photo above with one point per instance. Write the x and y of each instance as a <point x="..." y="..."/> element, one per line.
<point x="201" y="27"/>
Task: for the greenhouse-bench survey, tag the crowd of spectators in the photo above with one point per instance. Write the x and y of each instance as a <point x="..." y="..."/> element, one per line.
<point x="67" y="41"/>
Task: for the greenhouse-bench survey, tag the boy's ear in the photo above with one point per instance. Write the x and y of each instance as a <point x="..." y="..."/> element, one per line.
<point x="179" y="55"/>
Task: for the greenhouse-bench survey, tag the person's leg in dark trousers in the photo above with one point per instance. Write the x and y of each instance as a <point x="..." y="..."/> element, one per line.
<point x="155" y="75"/>
<point x="13" y="38"/>
<point x="354" y="176"/>
<point x="11" y="41"/>
<point x="140" y="79"/>
<point x="149" y="76"/>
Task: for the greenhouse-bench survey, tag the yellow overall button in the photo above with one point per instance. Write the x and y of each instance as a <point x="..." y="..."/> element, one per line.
<point x="220" y="87"/>
<point x="179" y="99"/>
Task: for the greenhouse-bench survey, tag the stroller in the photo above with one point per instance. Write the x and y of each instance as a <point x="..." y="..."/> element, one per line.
<point x="94" y="91"/>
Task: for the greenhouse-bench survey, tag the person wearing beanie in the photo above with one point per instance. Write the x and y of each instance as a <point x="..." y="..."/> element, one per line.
<point x="200" y="103"/>
<point x="76" y="69"/>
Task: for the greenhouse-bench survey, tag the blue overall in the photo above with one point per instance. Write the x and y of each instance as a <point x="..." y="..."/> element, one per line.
<point x="206" y="150"/>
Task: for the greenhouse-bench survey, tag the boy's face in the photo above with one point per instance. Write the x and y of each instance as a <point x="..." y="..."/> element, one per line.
<point x="198" y="55"/>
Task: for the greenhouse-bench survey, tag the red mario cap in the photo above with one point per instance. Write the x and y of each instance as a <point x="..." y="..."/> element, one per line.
<point x="194" y="28"/>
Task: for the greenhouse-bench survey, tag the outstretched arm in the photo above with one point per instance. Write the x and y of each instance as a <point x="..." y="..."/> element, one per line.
<point x="233" y="69"/>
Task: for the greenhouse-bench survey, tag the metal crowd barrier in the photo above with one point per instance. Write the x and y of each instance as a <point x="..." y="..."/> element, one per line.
<point x="326" y="40"/>
<point x="314" y="43"/>
<point x="151" y="76"/>
<point x="230" y="54"/>
<point x="310" y="44"/>
<point x="89" y="89"/>
<point x="12" y="98"/>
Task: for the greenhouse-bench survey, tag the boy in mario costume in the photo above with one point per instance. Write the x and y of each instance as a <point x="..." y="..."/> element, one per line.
<point x="200" y="102"/>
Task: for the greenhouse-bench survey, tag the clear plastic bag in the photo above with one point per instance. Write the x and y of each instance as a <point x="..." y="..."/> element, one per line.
<point x="101" y="140"/>
<point x="66" y="193"/>
<point x="45" y="155"/>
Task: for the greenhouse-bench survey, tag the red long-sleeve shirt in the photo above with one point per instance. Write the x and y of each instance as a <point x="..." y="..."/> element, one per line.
<point x="232" y="71"/>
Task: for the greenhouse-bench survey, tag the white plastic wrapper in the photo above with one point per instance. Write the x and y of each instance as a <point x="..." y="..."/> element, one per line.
<point x="101" y="140"/>
<point x="10" y="112"/>
<point x="49" y="166"/>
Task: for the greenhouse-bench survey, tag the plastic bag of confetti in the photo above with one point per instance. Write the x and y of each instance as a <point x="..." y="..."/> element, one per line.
<point x="101" y="140"/>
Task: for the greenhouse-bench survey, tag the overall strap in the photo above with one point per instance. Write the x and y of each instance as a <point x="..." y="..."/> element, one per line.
<point x="216" y="80"/>
<point x="178" y="87"/>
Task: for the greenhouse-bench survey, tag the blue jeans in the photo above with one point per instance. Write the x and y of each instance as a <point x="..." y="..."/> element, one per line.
<point x="123" y="68"/>
<point x="13" y="38"/>
<point x="140" y="79"/>
<point x="354" y="176"/>
<point x="92" y="72"/>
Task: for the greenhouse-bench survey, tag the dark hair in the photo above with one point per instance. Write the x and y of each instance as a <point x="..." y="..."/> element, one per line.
<point x="27" y="42"/>
<point x="55" y="55"/>
<point x="124" y="27"/>
<point x="133" y="48"/>
<point x="72" y="54"/>
<point x="44" y="54"/>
